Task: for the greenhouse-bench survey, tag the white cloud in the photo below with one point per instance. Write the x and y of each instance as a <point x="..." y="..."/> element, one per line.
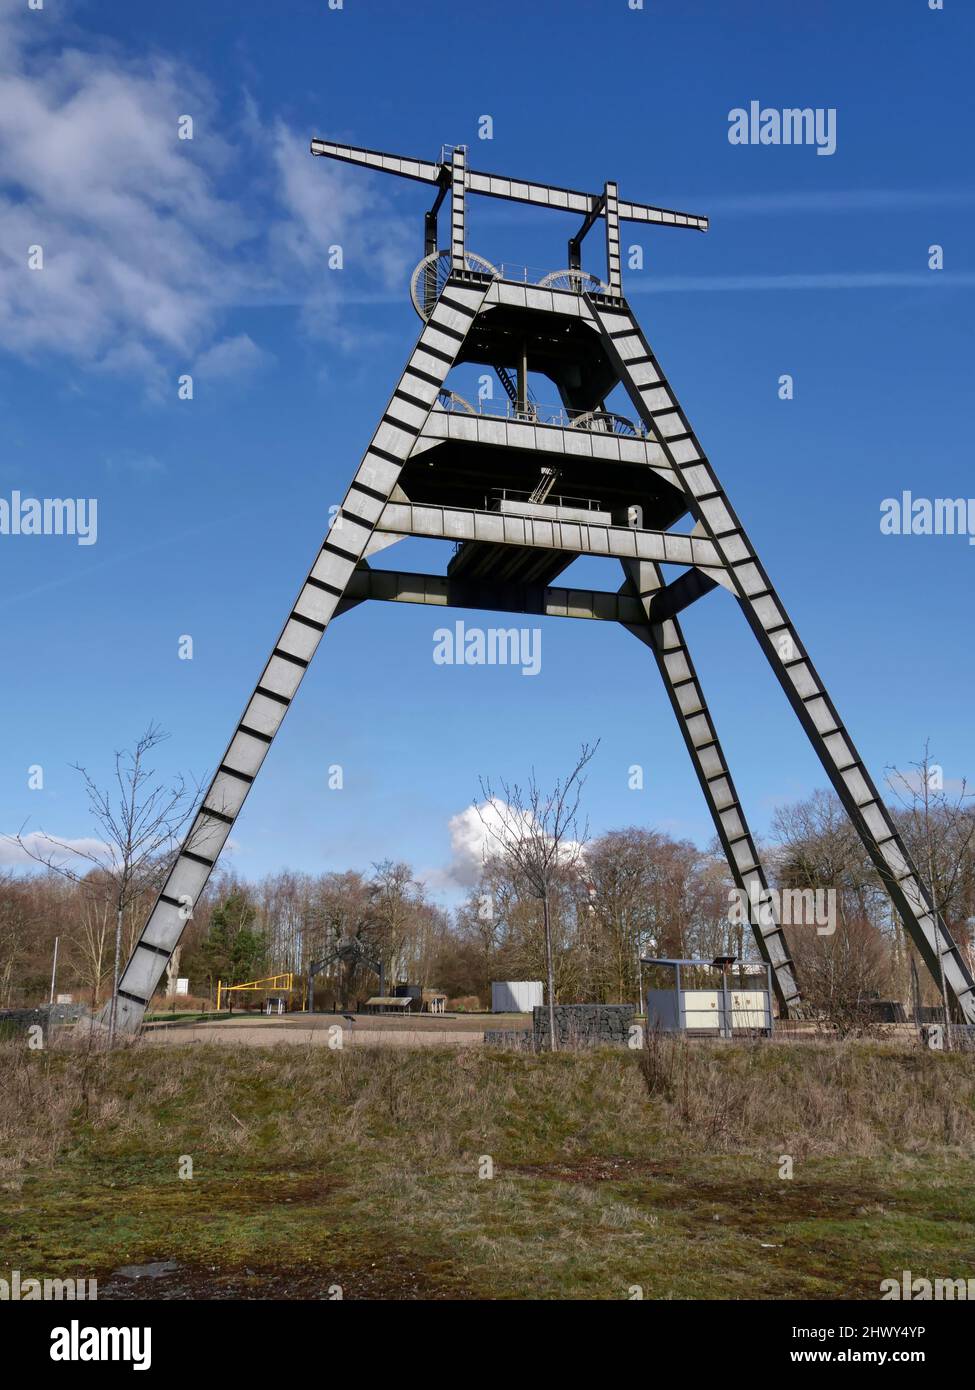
<point x="231" y="357"/>
<point x="473" y="842"/>
<point x="40" y="844"/>
<point x="62" y="850"/>
<point x="324" y="208"/>
<point x="128" y="217"/>
<point x="150" y="241"/>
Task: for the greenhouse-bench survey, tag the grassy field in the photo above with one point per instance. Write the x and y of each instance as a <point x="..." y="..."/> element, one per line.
<point x="660" y="1169"/>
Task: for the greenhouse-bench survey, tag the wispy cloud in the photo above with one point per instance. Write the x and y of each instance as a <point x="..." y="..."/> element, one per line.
<point x="167" y="541"/>
<point x="137" y="464"/>
<point x="912" y="781"/>
<point x="827" y="280"/>
<point x="234" y="357"/>
<point x="834" y="201"/>
<point x="38" y="845"/>
<point x="778" y="203"/>
<point x="128" y="217"/>
<point x="148" y="240"/>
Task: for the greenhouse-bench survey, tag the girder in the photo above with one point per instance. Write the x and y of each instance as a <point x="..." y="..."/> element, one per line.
<point x="440" y="591"/>
<point x="538" y="436"/>
<point x="500" y="186"/>
<point x="576" y="537"/>
<point x="670" y="599"/>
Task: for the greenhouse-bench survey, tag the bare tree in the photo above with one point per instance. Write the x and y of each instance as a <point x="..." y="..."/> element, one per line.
<point x="843" y="975"/>
<point x="15" y="923"/>
<point x="538" y="838"/>
<point x="96" y="926"/>
<point x="393" y="897"/>
<point x="940" y="830"/>
<point x="139" y="821"/>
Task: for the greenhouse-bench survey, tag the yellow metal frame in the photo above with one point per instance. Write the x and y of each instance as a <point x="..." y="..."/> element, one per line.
<point x="280" y="984"/>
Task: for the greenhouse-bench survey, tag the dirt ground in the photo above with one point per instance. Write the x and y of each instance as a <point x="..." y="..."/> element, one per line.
<point x="392" y="1276"/>
<point x="367" y="1030"/>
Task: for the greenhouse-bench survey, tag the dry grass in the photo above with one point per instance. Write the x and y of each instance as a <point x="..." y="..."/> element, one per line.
<point x="838" y="1098"/>
<point x="610" y="1168"/>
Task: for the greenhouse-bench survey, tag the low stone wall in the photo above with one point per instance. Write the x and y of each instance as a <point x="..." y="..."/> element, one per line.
<point x="584" y="1025"/>
<point x="576" y="1025"/>
<point x="509" y="1039"/>
<point x="49" y="1016"/>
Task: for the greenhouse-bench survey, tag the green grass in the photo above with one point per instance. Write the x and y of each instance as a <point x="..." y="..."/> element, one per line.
<point x="313" y="1167"/>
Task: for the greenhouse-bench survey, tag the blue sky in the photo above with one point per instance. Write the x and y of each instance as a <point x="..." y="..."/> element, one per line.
<point x="209" y="256"/>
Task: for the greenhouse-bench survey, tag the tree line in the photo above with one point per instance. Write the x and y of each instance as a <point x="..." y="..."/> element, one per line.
<point x="582" y="915"/>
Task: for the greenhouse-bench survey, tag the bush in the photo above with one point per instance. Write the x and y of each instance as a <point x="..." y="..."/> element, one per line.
<point x="466" y="1004"/>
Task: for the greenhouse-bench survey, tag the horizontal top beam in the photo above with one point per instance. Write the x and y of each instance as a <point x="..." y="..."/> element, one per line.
<point x="500" y="186"/>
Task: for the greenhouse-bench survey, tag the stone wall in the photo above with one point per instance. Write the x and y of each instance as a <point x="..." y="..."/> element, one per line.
<point x="584" y="1025"/>
<point x="509" y="1039"/>
<point x="576" y="1025"/>
<point x="49" y="1016"/>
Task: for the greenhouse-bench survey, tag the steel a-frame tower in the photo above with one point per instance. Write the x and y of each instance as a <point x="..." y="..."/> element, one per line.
<point x="522" y="492"/>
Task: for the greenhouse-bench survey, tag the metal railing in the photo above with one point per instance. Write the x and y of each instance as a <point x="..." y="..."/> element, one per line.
<point x="493" y="500"/>
<point x="539" y="413"/>
<point x="576" y="281"/>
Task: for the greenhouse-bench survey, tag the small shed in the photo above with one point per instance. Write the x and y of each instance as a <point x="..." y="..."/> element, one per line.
<point x="516" y="996"/>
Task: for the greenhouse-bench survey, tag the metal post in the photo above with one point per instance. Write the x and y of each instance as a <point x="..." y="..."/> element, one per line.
<point x="575" y="243"/>
<point x="768" y="996"/>
<point x="429" y="249"/>
<point x="726" y="1028"/>
<point x="932" y="889"/>
<point x="522" y="405"/>
<point x="458" y="188"/>
<point x="613" y="272"/>
<point x="639" y="969"/>
<point x="115" y="977"/>
<point x="54" y="969"/>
